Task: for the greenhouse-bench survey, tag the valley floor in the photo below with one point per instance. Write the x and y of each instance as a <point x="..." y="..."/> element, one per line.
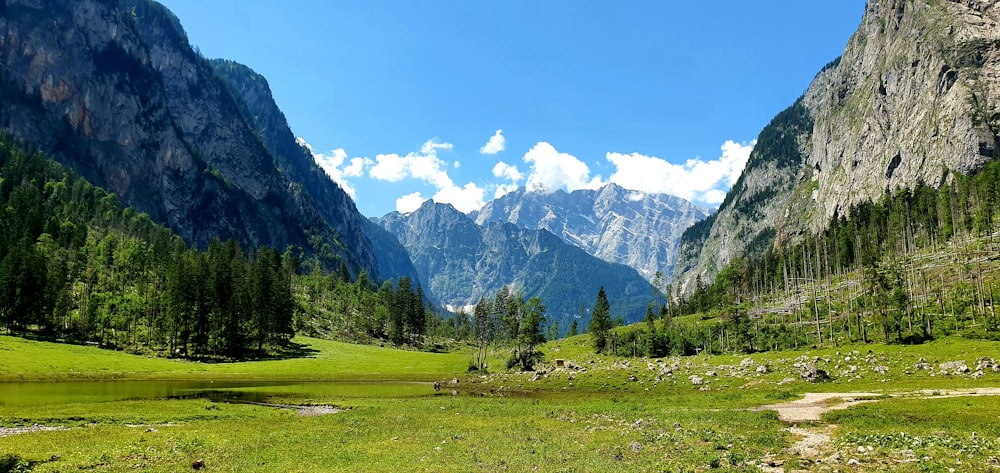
<point x="886" y="408"/>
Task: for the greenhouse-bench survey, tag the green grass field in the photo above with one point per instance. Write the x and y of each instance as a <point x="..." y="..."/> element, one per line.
<point x="602" y="414"/>
<point x="30" y="361"/>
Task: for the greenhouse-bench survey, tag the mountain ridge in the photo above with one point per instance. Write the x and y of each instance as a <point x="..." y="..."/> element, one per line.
<point x="462" y="262"/>
<point x="913" y="97"/>
<point x="638" y="229"/>
<point x="115" y="91"/>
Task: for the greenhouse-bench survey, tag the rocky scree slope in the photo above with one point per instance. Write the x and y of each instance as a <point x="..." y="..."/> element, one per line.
<point x="617" y="225"/>
<point x="463" y="262"/>
<point x="913" y="97"/>
<point x="114" y="90"/>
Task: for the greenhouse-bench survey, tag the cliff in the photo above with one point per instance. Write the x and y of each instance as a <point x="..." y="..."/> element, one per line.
<point x="912" y="99"/>
<point x="114" y="90"/>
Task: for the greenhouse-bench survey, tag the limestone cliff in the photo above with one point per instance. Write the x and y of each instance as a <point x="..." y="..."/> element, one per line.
<point x="114" y="90"/>
<point x="637" y="229"/>
<point x="913" y="97"/>
<point x="461" y="262"/>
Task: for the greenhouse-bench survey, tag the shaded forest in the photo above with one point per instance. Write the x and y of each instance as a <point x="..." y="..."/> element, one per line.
<point x="77" y="266"/>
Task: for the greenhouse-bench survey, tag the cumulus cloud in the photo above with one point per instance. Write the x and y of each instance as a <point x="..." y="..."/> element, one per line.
<point x="507" y="171"/>
<point x="331" y="164"/>
<point x="409" y="202"/>
<point x="496" y="144"/>
<point x="427" y="166"/>
<point x="552" y="170"/>
<point x="504" y="189"/>
<point x="697" y="180"/>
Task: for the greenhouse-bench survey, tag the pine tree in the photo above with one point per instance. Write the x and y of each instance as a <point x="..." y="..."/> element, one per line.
<point x="600" y="320"/>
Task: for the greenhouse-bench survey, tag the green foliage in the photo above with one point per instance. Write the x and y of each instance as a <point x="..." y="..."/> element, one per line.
<point x="865" y="258"/>
<point x="75" y="265"/>
<point x="600" y="321"/>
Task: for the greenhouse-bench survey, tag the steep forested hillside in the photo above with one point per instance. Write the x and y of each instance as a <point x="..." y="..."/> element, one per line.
<point x="912" y="101"/>
<point x="77" y="266"/>
<point x="115" y="92"/>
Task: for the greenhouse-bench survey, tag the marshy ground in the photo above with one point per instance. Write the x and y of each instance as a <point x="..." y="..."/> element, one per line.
<point x="883" y="408"/>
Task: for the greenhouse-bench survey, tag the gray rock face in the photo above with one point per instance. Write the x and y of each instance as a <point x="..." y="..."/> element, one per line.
<point x="913" y="96"/>
<point x="916" y="92"/>
<point x="336" y="207"/>
<point x="614" y="224"/>
<point x="115" y="92"/>
<point x="462" y="262"/>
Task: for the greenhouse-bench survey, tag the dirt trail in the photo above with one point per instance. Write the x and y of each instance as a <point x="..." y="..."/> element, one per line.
<point x="815" y="440"/>
<point x="8" y="431"/>
<point x="812" y="406"/>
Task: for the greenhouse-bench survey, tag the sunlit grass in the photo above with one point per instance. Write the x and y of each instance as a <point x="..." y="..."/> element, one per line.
<point x="22" y="359"/>
<point x="603" y="414"/>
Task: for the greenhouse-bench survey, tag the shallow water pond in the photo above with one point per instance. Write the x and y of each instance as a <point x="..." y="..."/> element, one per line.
<point x="40" y="393"/>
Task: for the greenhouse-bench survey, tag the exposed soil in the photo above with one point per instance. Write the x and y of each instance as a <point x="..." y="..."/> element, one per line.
<point x="303" y="410"/>
<point x="815" y="439"/>
<point x="812" y="406"/>
<point x="8" y="431"/>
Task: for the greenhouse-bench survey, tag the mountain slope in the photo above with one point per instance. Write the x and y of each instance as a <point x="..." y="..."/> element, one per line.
<point x="114" y="91"/>
<point x="913" y="97"/>
<point x="616" y="225"/>
<point x="461" y="262"/>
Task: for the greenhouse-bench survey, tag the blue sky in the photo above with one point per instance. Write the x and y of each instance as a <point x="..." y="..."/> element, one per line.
<point x="401" y="101"/>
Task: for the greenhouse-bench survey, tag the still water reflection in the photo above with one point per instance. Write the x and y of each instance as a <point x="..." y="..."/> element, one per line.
<point x="35" y="393"/>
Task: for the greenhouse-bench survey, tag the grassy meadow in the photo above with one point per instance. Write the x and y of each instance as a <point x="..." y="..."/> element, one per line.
<point x="595" y="414"/>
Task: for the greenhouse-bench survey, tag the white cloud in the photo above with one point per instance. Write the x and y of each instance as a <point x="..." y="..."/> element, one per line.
<point x="496" y="144"/>
<point x="552" y="170"/>
<point x="426" y="166"/>
<point x="713" y="197"/>
<point x="331" y="165"/>
<point x="432" y="145"/>
<point x="504" y="189"/>
<point x="465" y="199"/>
<point x="696" y="179"/>
<point x="356" y="168"/>
<point x="507" y="171"/>
<point x="409" y="202"/>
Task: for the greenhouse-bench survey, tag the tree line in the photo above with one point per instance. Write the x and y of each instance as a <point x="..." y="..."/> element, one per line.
<point x="75" y="265"/>
<point x="510" y="319"/>
<point x="911" y="266"/>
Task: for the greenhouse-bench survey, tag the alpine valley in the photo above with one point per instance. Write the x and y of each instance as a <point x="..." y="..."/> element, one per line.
<point x="183" y="286"/>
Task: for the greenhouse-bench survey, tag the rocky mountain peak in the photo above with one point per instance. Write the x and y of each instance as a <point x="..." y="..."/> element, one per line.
<point x="114" y="91"/>
<point x="617" y="225"/>
<point x="913" y="98"/>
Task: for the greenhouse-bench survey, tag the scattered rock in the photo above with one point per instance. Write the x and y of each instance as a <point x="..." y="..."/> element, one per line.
<point x="697" y="380"/>
<point x="811" y="373"/>
<point x="853" y="462"/>
<point x="747" y="363"/>
<point x="954" y="367"/>
<point x="763" y="369"/>
<point x="711" y="374"/>
<point x="635" y="446"/>
<point x="881" y="369"/>
<point x="198" y="464"/>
